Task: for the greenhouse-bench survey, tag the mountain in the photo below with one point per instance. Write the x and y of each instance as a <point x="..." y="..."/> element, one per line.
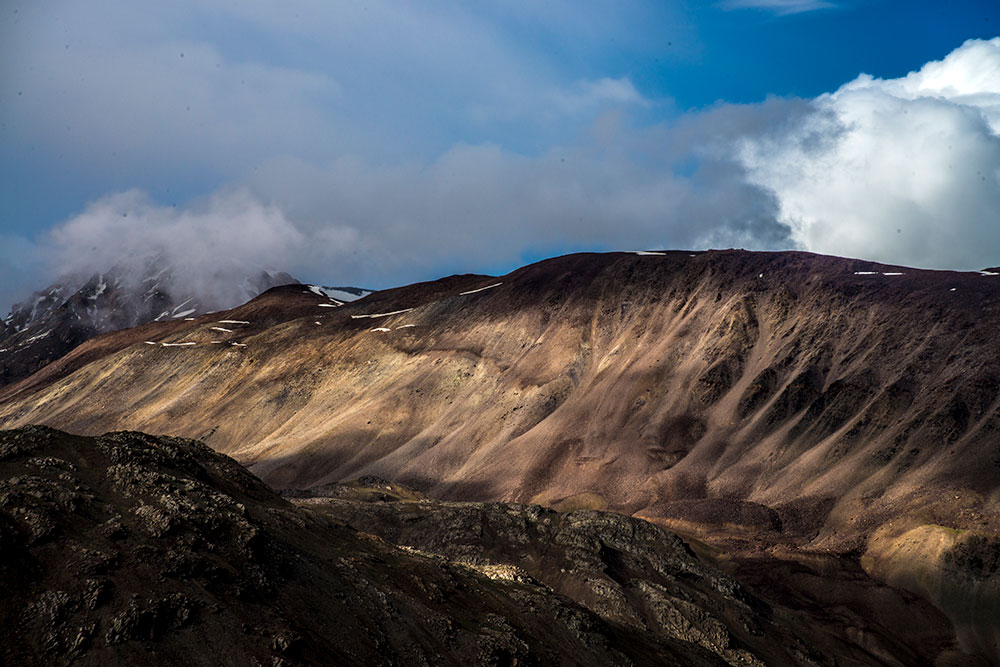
<point x="55" y="320"/>
<point x="795" y="412"/>
<point x="133" y="549"/>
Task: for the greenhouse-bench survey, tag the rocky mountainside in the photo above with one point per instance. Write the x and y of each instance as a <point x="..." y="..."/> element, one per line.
<point x="55" y="320"/>
<point x="133" y="549"/>
<point x="779" y="406"/>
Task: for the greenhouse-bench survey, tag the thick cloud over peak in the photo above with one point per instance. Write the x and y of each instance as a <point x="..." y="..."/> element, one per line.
<point x="211" y="246"/>
<point x="904" y="170"/>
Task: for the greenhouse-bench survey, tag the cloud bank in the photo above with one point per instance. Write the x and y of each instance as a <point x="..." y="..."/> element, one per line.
<point x="475" y="208"/>
<point x="210" y="247"/>
<point x="904" y="170"/>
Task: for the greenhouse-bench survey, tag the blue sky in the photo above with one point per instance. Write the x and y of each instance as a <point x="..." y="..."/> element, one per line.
<point x="383" y="142"/>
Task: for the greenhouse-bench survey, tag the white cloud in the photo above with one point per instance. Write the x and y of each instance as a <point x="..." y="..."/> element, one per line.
<point x="590" y="95"/>
<point x="780" y="7"/>
<point x="968" y="76"/>
<point x="904" y="170"/>
<point x="211" y="245"/>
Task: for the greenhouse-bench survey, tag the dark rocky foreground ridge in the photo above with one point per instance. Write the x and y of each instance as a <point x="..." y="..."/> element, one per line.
<point x="133" y="549"/>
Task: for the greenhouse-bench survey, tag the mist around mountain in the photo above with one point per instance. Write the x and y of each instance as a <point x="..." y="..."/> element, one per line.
<point x="54" y="320"/>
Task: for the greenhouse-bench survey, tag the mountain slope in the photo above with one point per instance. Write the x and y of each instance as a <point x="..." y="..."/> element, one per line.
<point x="757" y="400"/>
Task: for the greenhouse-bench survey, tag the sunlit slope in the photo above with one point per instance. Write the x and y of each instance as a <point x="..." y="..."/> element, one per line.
<point x="786" y="393"/>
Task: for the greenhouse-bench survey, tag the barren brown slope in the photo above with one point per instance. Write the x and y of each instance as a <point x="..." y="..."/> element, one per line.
<point x="781" y="398"/>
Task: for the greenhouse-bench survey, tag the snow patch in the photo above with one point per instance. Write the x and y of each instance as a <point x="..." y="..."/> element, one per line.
<point x="329" y="305"/>
<point x="184" y="344"/>
<point x="648" y="252"/>
<point x="155" y="276"/>
<point x="221" y="329"/>
<point x="473" y="291"/>
<point x="989" y="273"/>
<point x="342" y="294"/>
<point x="373" y="315"/>
<point x="233" y="322"/>
<point x="239" y="344"/>
<point x="101" y="287"/>
<point x="406" y="326"/>
<point x="185" y="312"/>
<point x="150" y="342"/>
<point x="182" y="304"/>
<point x="892" y="273"/>
<point x="380" y="329"/>
<point x="32" y="339"/>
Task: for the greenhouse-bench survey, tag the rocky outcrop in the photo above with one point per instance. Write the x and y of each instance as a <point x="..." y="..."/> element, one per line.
<point x="128" y="548"/>
<point x="135" y="549"/>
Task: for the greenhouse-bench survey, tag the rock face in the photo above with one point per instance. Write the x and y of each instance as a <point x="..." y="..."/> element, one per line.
<point x="57" y="319"/>
<point x="134" y="549"/>
<point x="768" y="403"/>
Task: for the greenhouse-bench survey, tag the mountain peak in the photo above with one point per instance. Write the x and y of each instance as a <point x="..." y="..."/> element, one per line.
<point x="53" y="321"/>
